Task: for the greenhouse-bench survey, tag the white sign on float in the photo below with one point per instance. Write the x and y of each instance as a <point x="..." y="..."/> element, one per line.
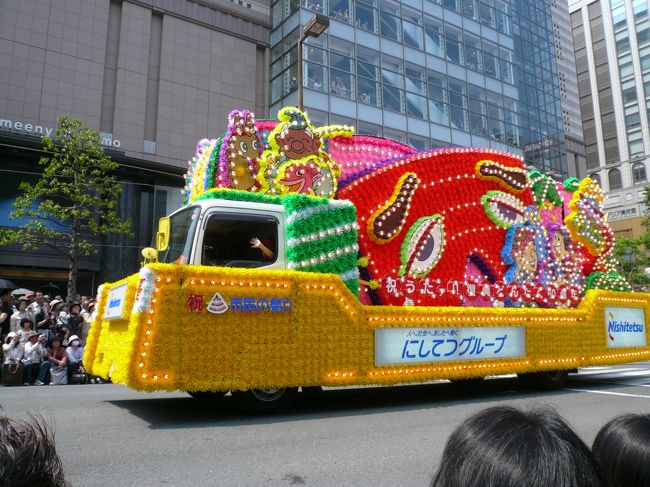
<point x="115" y="302"/>
<point x="625" y="327"/>
<point x="398" y="346"/>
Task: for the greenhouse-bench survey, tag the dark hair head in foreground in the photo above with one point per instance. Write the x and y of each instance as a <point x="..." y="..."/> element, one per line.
<point x="505" y="447"/>
<point x="28" y="456"/>
<point x="622" y="447"/>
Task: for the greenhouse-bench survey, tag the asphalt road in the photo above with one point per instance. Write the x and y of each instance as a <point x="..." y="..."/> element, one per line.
<point x="108" y="435"/>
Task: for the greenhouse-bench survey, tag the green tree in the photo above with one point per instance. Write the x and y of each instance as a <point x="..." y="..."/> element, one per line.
<point x="633" y="254"/>
<point x="74" y="203"/>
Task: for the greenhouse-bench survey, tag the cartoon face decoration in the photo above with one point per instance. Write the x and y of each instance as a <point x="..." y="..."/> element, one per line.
<point x="422" y="246"/>
<point x="527" y="259"/>
<point x="300" y="177"/>
<point x="558" y="247"/>
<point x="247" y="147"/>
<point x="240" y="149"/>
<point x="295" y="160"/>
<point x="587" y="222"/>
<point x="513" y="179"/>
<point x="296" y="140"/>
<point x="503" y="209"/>
<point x="523" y="251"/>
<point x="387" y="221"/>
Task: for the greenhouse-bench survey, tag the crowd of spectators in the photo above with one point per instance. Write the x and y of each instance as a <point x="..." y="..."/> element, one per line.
<point x="43" y="336"/>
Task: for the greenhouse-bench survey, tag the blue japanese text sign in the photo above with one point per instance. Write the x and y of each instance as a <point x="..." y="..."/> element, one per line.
<point x="397" y="346"/>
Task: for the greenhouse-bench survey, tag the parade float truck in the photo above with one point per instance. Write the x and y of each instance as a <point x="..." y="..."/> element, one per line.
<point x="309" y="256"/>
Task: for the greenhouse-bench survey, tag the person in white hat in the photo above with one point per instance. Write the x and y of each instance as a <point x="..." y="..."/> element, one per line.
<point x="75" y="353"/>
<point x="13" y="349"/>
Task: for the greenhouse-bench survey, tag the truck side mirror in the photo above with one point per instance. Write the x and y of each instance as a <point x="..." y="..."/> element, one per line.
<point x="150" y="254"/>
<point x="162" y="237"/>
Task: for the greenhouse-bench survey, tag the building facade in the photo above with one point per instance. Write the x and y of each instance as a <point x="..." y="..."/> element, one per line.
<point x="612" y="52"/>
<point x="429" y="73"/>
<point x="569" y="97"/>
<point x="152" y="76"/>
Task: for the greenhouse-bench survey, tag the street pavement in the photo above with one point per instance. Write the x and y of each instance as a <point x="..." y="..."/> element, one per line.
<point x="108" y="435"/>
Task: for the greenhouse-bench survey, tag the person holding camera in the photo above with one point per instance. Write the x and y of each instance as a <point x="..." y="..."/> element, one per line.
<point x="35" y="352"/>
<point x="12" y="349"/>
<point x="46" y="320"/>
<point x="11" y="373"/>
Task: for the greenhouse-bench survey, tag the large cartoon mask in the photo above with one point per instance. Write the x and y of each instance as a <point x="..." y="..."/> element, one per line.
<point x="295" y="160"/>
<point x="240" y="149"/>
<point x="297" y="140"/>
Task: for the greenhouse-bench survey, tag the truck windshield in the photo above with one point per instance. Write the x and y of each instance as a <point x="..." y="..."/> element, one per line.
<point x="182" y="229"/>
<point x="240" y="240"/>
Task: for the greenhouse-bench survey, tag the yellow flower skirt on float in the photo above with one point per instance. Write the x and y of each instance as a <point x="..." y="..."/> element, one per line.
<point x="190" y="328"/>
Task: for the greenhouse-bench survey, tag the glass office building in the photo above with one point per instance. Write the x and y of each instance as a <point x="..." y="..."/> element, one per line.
<point x="428" y="73"/>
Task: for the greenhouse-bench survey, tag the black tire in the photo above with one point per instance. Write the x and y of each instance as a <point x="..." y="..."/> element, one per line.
<point x="467" y="385"/>
<point x="548" y="380"/>
<point x="265" y="400"/>
<point x="206" y="395"/>
<point x="311" y="391"/>
<point x="474" y="381"/>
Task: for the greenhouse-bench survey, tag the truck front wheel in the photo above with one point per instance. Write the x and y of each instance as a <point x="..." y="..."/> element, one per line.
<point x="265" y="400"/>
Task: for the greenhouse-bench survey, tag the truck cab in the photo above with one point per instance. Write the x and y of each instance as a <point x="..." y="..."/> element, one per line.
<point x="219" y="233"/>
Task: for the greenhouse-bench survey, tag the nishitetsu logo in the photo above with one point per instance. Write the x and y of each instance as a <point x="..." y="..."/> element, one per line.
<point x="615" y="326"/>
